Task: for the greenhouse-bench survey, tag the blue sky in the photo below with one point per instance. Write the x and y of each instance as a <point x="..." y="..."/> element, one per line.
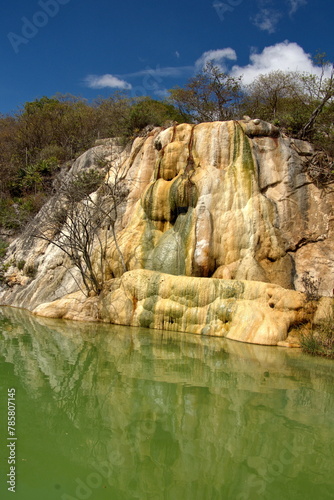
<point x="91" y="48"/>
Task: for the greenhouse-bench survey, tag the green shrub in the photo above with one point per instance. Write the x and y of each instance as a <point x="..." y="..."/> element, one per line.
<point x="3" y="248"/>
<point x="53" y="152"/>
<point x="319" y="340"/>
<point x="30" y="271"/>
<point x="21" y="264"/>
<point x="83" y="184"/>
<point x="3" y="269"/>
<point x="310" y="344"/>
<point x="15" y="213"/>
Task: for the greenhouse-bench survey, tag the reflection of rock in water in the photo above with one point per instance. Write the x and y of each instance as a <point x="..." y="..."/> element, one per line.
<point x="170" y="415"/>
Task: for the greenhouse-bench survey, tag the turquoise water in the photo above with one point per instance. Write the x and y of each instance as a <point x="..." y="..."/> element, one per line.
<point x="107" y="412"/>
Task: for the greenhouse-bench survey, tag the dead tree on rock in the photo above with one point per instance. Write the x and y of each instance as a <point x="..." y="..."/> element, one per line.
<point x="83" y="213"/>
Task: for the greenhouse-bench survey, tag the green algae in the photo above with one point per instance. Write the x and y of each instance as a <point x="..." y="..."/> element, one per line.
<point x="147" y="317"/>
<point x="231" y="289"/>
<point x="242" y="149"/>
<point x="169" y="254"/>
<point x="182" y="194"/>
<point x="247" y="156"/>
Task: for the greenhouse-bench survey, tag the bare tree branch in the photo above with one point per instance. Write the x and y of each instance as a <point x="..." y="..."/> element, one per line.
<point x="85" y="210"/>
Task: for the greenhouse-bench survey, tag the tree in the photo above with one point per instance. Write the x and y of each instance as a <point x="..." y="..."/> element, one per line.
<point x="266" y="97"/>
<point x="82" y="216"/>
<point x="113" y="115"/>
<point x="146" y="111"/>
<point x="48" y="132"/>
<point x="210" y="95"/>
<point x="295" y="101"/>
<point x="323" y="90"/>
<point x="65" y="121"/>
<point x="124" y="117"/>
<point x="8" y="147"/>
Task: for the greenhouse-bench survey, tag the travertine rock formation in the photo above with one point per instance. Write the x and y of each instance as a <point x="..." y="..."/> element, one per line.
<point x="248" y="311"/>
<point x="226" y="200"/>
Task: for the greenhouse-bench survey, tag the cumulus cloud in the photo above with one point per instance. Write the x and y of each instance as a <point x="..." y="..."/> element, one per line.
<point x="106" y="81"/>
<point x="218" y="57"/>
<point x="285" y="56"/>
<point x="267" y="19"/>
<point x="295" y="4"/>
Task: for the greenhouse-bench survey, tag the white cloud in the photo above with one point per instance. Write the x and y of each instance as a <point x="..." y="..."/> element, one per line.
<point x="217" y="56"/>
<point x="285" y="56"/>
<point x="295" y="4"/>
<point x="166" y="71"/>
<point x="106" y="81"/>
<point x="267" y="19"/>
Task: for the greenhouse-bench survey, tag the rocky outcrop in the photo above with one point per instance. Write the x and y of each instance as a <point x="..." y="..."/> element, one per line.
<point x="248" y="311"/>
<point x="230" y="200"/>
<point x="222" y="200"/>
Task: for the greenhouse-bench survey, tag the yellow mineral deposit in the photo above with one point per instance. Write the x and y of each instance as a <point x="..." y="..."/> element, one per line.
<point x="220" y="222"/>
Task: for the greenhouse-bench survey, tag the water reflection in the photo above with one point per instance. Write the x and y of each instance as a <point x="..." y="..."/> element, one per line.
<point x="124" y="413"/>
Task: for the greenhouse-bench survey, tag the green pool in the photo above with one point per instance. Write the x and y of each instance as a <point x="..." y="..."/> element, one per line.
<point x="107" y="412"/>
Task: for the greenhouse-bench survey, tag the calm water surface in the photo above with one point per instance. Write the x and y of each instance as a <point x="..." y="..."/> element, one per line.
<point x="117" y="413"/>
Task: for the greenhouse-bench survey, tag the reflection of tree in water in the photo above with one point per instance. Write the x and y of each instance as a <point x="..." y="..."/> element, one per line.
<point x="174" y="415"/>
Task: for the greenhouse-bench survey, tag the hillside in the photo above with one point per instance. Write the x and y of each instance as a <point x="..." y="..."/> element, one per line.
<point x="229" y="201"/>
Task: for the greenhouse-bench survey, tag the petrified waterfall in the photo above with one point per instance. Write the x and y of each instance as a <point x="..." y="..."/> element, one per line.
<point x="219" y="226"/>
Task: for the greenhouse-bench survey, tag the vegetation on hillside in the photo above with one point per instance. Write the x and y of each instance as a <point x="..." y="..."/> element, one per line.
<point x="317" y="338"/>
<point x="301" y="104"/>
<point x="49" y="132"/>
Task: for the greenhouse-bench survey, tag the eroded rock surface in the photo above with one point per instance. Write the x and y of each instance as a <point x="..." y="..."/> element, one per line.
<point x="247" y="311"/>
<point x="226" y="200"/>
